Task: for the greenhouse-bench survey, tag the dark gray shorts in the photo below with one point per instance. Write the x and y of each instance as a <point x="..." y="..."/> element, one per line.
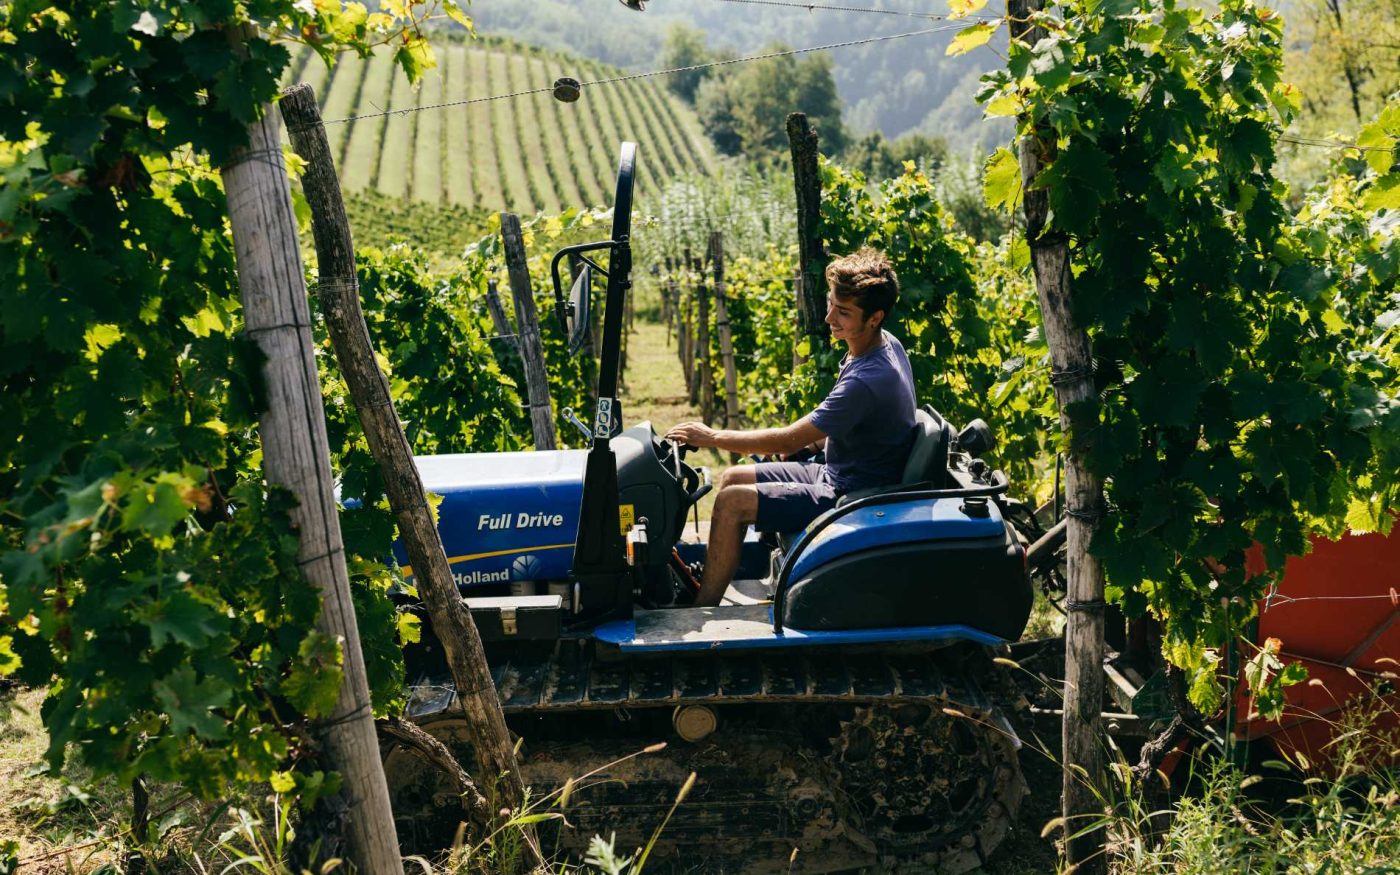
<point x="791" y="495"/>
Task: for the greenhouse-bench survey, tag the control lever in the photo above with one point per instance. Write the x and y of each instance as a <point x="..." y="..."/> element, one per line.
<point x="578" y="423"/>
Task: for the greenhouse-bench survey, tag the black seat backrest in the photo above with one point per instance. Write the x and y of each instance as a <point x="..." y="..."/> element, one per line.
<point x="928" y="459"/>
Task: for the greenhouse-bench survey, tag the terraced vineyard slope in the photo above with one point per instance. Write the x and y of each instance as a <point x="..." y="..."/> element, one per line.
<point x="521" y="154"/>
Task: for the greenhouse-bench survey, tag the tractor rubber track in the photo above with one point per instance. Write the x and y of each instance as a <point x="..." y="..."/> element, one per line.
<point x="899" y="760"/>
<point x="573" y="679"/>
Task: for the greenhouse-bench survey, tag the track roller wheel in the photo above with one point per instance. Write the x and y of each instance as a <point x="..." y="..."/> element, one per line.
<point x="934" y="792"/>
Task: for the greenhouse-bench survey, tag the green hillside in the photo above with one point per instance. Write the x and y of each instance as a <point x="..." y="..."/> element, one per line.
<point x="521" y="154"/>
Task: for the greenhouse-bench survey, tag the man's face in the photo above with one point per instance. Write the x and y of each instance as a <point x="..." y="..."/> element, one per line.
<point x="847" y="321"/>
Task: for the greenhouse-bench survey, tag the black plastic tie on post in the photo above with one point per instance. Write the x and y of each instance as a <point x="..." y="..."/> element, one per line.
<point x="1071" y="375"/>
<point x="1088" y="515"/>
<point x="1094" y="606"/>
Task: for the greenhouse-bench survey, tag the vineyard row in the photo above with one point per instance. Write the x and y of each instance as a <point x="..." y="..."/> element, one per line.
<point x="522" y="154"/>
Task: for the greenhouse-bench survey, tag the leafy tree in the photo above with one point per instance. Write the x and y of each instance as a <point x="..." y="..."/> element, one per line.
<point x="878" y="158"/>
<point x="744" y="110"/>
<point x="685" y="47"/>
<point x="1344" y="56"/>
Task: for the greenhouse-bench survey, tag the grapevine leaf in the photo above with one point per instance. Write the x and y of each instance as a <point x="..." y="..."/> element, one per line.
<point x="1052" y="62"/>
<point x="1384" y="193"/>
<point x="964" y="8"/>
<point x="180" y="617"/>
<point x="1080" y="180"/>
<point x="190" y="702"/>
<point x="314" y="682"/>
<point x="1001" y="180"/>
<point x="972" y="37"/>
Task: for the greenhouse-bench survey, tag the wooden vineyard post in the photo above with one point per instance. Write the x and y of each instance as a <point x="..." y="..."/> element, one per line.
<point x="704" y="362"/>
<point x="369" y="388"/>
<point x="527" y="321"/>
<point x="1072" y="376"/>
<point x="726" y="336"/>
<point x="812" y="256"/>
<point x="683" y="337"/>
<point x="797" y="357"/>
<point x="499" y="320"/>
<point x="697" y="352"/>
<point x="666" y="312"/>
<point x="296" y="456"/>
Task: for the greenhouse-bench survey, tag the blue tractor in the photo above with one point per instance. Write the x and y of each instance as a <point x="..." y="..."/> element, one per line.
<point x="842" y="701"/>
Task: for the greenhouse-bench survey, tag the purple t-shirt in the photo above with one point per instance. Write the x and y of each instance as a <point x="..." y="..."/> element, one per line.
<point x="868" y="418"/>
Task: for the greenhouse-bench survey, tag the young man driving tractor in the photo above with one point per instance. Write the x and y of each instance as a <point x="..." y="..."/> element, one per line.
<point x="865" y="425"/>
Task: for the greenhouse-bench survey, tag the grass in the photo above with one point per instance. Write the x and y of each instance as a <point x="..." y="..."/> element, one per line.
<point x="483" y="162"/>
<point x="396" y="152"/>
<point x="362" y="151"/>
<point x="428" y="152"/>
<point x="456" y="129"/>
<point x="531" y="124"/>
<point x="338" y="101"/>
<point x="514" y="176"/>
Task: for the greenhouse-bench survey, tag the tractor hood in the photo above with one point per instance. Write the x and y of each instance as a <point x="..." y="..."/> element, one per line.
<point x="505" y="516"/>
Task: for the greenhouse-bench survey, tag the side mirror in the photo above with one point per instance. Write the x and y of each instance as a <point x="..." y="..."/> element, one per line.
<point x="976" y="438"/>
<point x="578" y="314"/>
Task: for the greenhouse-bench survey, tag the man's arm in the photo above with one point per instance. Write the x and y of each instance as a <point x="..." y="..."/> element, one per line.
<point x="763" y="441"/>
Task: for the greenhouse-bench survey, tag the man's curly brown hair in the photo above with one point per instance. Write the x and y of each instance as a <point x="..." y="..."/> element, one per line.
<point x="866" y="277"/>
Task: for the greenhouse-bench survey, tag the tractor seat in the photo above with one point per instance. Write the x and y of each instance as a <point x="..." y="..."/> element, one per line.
<point x="927" y="463"/>
<point x="928" y="458"/>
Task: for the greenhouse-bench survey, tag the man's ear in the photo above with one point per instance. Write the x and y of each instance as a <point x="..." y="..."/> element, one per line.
<point x="876" y="319"/>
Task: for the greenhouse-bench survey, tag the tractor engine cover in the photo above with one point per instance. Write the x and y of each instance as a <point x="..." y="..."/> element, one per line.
<point x="513" y="517"/>
<point x="917" y="563"/>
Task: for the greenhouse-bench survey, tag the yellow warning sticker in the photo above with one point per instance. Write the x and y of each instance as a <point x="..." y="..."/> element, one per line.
<point x="627" y="515"/>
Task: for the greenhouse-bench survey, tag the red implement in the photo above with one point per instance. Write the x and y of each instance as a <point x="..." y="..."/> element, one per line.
<point x="1337" y="610"/>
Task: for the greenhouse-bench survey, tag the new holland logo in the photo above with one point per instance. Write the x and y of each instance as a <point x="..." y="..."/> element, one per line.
<point x="526" y="567"/>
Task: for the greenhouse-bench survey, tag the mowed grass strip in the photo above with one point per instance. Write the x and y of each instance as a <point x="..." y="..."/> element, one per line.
<point x="568" y="143"/>
<point x="396" y="154"/>
<point x="600" y="114"/>
<point x="339" y="102"/>
<point x="515" y="182"/>
<point x="625" y="128"/>
<point x="427" y="142"/>
<point x="548" y="131"/>
<point x="680" y="147"/>
<point x="362" y="156"/>
<point x="638" y="106"/>
<point x="528" y="115"/>
<point x="457" y="158"/>
<point x="482" y="160"/>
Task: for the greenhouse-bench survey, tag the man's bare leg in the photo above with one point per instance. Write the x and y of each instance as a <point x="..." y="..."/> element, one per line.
<point x="736" y="506"/>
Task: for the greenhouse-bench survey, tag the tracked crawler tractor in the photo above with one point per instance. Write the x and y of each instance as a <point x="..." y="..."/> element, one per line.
<point x="842" y="701"/>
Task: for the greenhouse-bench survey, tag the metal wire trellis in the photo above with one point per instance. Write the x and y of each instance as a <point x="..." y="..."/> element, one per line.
<point x="650" y="73"/>
<point x="823" y="7"/>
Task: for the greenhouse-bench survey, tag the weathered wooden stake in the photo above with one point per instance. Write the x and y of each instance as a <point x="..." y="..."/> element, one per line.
<point x="726" y="335"/>
<point x="705" y="378"/>
<point x="797" y="357"/>
<point x="667" y="310"/>
<point x="499" y="320"/>
<point x="527" y="321"/>
<point x="296" y="456"/>
<point x="1072" y="365"/>
<point x="338" y="292"/>
<point x="812" y="256"/>
<point x="683" y="325"/>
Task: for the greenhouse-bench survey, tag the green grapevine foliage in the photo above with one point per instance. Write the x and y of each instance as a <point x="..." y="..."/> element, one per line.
<point x="147" y="574"/>
<point x="1248" y="391"/>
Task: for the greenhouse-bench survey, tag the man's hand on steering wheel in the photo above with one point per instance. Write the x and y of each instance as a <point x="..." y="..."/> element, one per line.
<point x="694" y="434"/>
